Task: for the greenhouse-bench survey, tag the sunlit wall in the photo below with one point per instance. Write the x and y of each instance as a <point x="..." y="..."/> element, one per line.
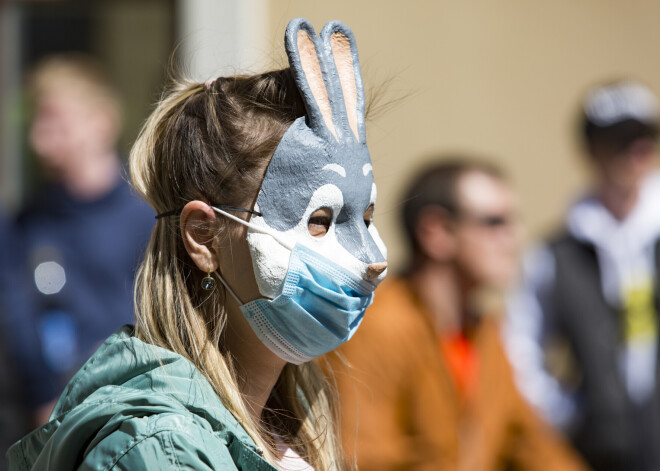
<point x="499" y="79"/>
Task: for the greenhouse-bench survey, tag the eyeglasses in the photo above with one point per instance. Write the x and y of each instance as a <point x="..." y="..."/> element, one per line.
<point x="176" y="212"/>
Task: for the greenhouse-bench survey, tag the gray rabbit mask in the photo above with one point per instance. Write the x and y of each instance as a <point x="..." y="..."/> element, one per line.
<point x="321" y="162"/>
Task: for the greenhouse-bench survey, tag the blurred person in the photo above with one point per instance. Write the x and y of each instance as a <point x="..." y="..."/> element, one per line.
<point x="82" y="233"/>
<point x="264" y="257"/>
<point x="428" y="385"/>
<point x="14" y="420"/>
<point x="587" y="310"/>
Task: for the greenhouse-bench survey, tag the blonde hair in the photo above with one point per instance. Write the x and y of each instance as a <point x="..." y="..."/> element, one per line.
<point x="213" y="143"/>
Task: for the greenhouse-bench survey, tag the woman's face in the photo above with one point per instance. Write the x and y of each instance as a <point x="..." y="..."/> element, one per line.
<point x="235" y="261"/>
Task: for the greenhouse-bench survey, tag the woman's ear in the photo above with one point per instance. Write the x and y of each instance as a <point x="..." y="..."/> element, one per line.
<point x="198" y="231"/>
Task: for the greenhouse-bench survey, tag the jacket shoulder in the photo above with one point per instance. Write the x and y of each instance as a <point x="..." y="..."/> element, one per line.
<point x="163" y="441"/>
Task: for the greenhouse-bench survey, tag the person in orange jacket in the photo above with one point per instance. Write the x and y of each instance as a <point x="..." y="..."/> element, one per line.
<point x="425" y="383"/>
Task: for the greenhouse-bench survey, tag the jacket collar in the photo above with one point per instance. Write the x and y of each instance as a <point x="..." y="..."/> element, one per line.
<point x="145" y="376"/>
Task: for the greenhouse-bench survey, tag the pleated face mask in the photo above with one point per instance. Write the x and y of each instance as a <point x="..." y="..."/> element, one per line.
<point x="320" y="307"/>
<point x="316" y="289"/>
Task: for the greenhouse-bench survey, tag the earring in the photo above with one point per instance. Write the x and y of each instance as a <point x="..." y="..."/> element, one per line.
<point x="208" y="283"/>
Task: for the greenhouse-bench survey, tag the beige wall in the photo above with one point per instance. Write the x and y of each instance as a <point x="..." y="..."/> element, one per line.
<point x="500" y="78"/>
<point x="134" y="36"/>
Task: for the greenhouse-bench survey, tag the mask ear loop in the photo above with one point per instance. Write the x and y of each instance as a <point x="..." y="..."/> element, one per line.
<point x="231" y="291"/>
<point x="261" y="230"/>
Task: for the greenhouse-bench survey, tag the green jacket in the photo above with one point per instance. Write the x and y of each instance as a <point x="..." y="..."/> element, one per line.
<point x="134" y="406"/>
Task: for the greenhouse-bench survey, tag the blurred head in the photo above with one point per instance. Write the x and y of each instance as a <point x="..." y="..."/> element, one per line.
<point x="463" y="214"/>
<point x="620" y="128"/>
<point x="76" y="113"/>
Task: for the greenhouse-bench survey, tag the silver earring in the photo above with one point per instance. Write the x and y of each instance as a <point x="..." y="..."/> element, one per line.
<point x="208" y="282"/>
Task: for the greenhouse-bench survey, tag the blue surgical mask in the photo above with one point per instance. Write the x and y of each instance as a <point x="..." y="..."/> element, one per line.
<point x="320" y="307"/>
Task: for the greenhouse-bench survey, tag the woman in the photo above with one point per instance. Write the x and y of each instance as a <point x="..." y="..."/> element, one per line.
<point x="263" y="184"/>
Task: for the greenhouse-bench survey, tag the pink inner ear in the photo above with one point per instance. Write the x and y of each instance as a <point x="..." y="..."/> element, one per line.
<point x="310" y="64"/>
<point x="341" y="51"/>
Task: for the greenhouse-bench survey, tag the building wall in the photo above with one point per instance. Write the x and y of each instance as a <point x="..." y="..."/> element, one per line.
<point x="500" y="79"/>
<point x="132" y="39"/>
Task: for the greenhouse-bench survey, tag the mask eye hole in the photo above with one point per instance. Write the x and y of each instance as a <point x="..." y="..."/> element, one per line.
<point x="319" y="222"/>
<point x="369" y="215"/>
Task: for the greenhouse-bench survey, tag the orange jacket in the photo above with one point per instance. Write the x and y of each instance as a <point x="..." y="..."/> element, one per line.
<point x="400" y="409"/>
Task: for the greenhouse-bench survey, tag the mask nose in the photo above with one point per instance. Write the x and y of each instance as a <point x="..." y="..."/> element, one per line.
<point x="374" y="270"/>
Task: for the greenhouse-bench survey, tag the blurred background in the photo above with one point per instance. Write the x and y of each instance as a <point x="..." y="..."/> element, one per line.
<point x="499" y="79"/>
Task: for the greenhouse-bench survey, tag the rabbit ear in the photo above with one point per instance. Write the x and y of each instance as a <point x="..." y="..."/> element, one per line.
<point x="301" y="47"/>
<point x="343" y="49"/>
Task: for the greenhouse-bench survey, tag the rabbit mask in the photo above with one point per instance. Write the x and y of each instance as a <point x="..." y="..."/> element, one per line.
<point x="316" y="289"/>
<point x="321" y="161"/>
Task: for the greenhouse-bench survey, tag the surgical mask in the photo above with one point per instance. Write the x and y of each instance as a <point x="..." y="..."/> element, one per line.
<point x="320" y="307"/>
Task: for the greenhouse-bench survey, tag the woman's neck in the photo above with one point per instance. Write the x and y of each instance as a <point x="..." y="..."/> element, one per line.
<point x="258" y="369"/>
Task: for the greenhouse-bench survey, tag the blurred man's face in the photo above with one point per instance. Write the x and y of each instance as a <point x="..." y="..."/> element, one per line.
<point x="67" y="129"/>
<point x="487" y="234"/>
<point x="625" y="169"/>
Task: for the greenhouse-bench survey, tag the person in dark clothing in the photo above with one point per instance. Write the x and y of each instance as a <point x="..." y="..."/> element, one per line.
<point x="14" y="420"/>
<point x="591" y="294"/>
<point x="83" y="233"/>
